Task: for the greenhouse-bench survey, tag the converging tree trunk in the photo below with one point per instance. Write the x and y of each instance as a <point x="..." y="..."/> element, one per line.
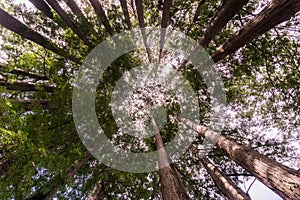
<point x="229" y="189"/>
<point x="55" y="5"/>
<point x="275" y="13"/>
<point x="171" y="185"/>
<point x="281" y="179"/>
<point x="21" y="29"/>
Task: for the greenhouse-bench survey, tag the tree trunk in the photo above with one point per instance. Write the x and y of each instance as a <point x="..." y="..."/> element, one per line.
<point x="171" y="185"/>
<point x="164" y="24"/>
<point x="140" y="13"/>
<point x="275" y="13"/>
<point x="42" y="6"/>
<point x="55" y="5"/>
<point x="21" y="72"/>
<point x="21" y="29"/>
<point x="229" y="189"/>
<point x="126" y="13"/>
<point x="23" y="86"/>
<point x="281" y="179"/>
<point x="227" y="12"/>
<point x="87" y="28"/>
<point x="101" y="14"/>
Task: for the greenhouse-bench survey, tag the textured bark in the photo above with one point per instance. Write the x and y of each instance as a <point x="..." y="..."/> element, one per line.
<point x="126" y="13"/>
<point x="171" y="185"/>
<point x="24" y="86"/>
<point x="273" y="14"/>
<point x="42" y="6"/>
<point x="281" y="179"/>
<point x="55" y="5"/>
<point x="21" y="29"/>
<point x="227" y="12"/>
<point x="229" y="189"/>
<point x="101" y="14"/>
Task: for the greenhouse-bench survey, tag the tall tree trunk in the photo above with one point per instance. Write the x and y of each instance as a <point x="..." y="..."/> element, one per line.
<point x="281" y="179"/>
<point x="21" y="29"/>
<point x="101" y="14"/>
<point x="88" y="28"/>
<point x="274" y="13"/>
<point x="229" y="189"/>
<point x="55" y="5"/>
<point x="21" y="72"/>
<point x="43" y="6"/>
<point x="171" y="185"/>
<point x="226" y="13"/>
<point x="24" y="86"/>
<point x="140" y="13"/>
<point x="164" y="24"/>
<point x="126" y="13"/>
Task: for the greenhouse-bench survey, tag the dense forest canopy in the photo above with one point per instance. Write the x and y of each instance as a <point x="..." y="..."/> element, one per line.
<point x="255" y="47"/>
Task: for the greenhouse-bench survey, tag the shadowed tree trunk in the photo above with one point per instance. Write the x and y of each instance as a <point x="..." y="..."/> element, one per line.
<point x="55" y="5"/>
<point x="101" y="14"/>
<point x="42" y="6"/>
<point x="164" y="23"/>
<point x="281" y="179"/>
<point x="88" y="27"/>
<point x="21" y="29"/>
<point x="18" y="71"/>
<point x="227" y="12"/>
<point x="229" y="189"/>
<point x="24" y="86"/>
<point x="275" y="13"/>
<point x="126" y="13"/>
<point x="140" y="13"/>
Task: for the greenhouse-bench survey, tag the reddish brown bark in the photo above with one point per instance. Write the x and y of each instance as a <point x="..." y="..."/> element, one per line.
<point x="171" y="185"/>
<point x="101" y="14"/>
<point x="164" y="24"/>
<point x="229" y="189"/>
<point x="42" y="6"/>
<point x="21" y="29"/>
<point x="55" y="5"/>
<point x="273" y="14"/>
<point x="87" y="26"/>
<point x="226" y="13"/>
<point x="140" y="13"/>
<point x="126" y="13"/>
<point x="281" y="179"/>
